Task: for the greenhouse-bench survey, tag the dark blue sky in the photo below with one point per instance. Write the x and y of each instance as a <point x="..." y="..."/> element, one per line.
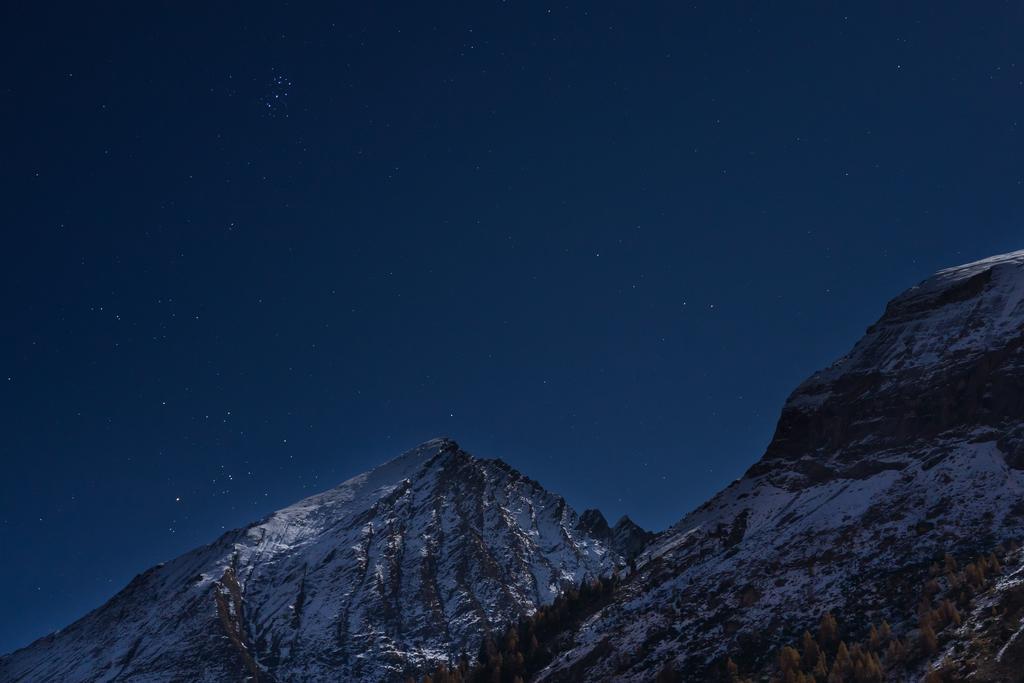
<point x="251" y="251"/>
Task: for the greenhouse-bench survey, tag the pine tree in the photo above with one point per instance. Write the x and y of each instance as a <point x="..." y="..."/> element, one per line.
<point x="821" y="669"/>
<point x="874" y="638"/>
<point x="877" y="670"/>
<point x="949" y="613"/>
<point x="895" y="652"/>
<point x="929" y="642"/>
<point x="866" y="666"/>
<point x="789" y="664"/>
<point x="924" y="607"/>
<point x="828" y="630"/>
<point x="486" y="648"/>
<point x="511" y="640"/>
<point x="442" y="675"/>
<point x="732" y="672"/>
<point x="841" y="666"/>
<point x="811" y="651"/>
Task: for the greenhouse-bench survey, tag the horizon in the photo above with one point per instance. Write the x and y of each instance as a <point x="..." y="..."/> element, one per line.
<point x="252" y="256"/>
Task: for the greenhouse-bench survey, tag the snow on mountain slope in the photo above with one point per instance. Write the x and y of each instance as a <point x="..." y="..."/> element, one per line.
<point x="397" y="567"/>
<point x="988" y="646"/>
<point x="910" y="446"/>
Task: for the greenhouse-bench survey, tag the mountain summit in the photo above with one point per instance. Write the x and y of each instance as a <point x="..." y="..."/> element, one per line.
<point x="403" y="565"/>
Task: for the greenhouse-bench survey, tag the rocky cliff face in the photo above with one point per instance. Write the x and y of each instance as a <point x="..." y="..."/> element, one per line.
<point x="906" y="449"/>
<point x="946" y="355"/>
<point x="403" y="565"/>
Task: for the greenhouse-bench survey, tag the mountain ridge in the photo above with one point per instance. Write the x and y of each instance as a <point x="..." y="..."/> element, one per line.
<point x="885" y="467"/>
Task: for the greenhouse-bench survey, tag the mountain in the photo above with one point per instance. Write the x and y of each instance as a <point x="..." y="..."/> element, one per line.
<point x="892" y="491"/>
<point x="875" y="540"/>
<point x="400" y="566"/>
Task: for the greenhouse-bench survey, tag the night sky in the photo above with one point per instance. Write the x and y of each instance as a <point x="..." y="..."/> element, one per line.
<point x="249" y="252"/>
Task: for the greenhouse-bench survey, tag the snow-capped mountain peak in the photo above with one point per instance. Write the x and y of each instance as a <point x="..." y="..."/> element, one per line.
<point x="395" y="568"/>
